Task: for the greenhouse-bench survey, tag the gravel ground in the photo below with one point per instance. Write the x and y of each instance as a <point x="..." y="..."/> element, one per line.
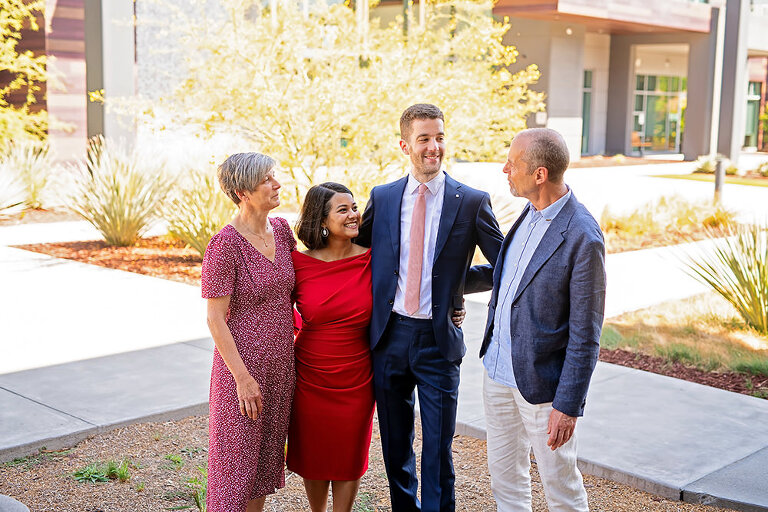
<point x="164" y="456"/>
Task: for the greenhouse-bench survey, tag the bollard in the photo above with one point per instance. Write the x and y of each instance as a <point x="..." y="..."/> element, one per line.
<point x="719" y="177"/>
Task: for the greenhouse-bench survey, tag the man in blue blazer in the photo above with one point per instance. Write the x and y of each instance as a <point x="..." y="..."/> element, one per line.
<point x="541" y="340"/>
<point x="423" y="230"/>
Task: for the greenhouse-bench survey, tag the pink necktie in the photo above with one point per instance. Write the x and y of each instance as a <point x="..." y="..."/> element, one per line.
<point x="415" y="253"/>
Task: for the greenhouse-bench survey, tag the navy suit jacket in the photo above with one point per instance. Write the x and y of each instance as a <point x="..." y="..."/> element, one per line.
<point x="466" y="221"/>
<point x="557" y="311"/>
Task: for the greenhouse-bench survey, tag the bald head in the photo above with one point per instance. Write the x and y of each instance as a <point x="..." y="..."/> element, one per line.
<point x="545" y="148"/>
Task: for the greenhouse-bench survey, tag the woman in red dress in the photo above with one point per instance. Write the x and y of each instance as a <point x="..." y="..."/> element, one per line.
<point x="330" y="429"/>
<point x="247" y="279"/>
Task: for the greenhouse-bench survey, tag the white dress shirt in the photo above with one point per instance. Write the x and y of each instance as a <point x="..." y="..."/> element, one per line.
<point x="434" y="207"/>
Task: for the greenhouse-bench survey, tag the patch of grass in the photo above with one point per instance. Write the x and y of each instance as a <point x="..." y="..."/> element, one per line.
<point x="94" y="472"/>
<point x="364" y="503"/>
<point x="176" y="462"/>
<point x="140" y="486"/>
<point x="753" y="182"/>
<point x="189" y="451"/>
<point x="198" y="486"/>
<point x="703" y="331"/>
<point x="43" y="455"/>
<point x="104" y="472"/>
<point x="681" y="353"/>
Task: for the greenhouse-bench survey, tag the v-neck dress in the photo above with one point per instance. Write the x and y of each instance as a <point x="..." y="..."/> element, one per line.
<point x="246" y="457"/>
<point x="330" y="430"/>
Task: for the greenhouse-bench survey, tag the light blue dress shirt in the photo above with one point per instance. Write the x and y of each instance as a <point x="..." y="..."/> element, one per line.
<point x="498" y="357"/>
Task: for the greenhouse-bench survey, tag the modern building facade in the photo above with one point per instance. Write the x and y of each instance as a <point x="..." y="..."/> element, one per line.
<point x="647" y="76"/>
<point x="621" y="76"/>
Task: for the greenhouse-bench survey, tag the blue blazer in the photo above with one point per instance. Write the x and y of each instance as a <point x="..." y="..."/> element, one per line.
<point x="557" y="312"/>
<point x="466" y="221"/>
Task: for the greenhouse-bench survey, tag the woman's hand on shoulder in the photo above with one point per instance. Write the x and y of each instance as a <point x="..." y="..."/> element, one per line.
<point x="249" y="396"/>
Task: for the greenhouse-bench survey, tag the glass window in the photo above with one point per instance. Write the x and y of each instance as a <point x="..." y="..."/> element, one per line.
<point x="587" y="78"/>
<point x="674" y="84"/>
<point x="640" y="83"/>
<point x="754" y="89"/>
<point x="639" y="102"/>
<point x="651" y="85"/>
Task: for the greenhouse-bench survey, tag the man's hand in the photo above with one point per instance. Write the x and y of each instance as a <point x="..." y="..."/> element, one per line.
<point x="560" y="429"/>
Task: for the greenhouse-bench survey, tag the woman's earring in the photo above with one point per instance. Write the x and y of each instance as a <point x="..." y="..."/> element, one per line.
<point x="324" y="232"/>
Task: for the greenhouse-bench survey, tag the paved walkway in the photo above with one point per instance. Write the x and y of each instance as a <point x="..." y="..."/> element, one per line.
<point x="87" y="349"/>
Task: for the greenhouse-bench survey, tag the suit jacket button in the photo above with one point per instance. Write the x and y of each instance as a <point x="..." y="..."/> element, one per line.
<point x="395" y="272"/>
<point x="391" y="302"/>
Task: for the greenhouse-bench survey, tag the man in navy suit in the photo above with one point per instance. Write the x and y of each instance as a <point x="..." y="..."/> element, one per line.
<point x="423" y="230"/>
<point x="541" y="341"/>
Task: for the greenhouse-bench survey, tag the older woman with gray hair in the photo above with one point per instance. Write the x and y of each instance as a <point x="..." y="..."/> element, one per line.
<point x="247" y="278"/>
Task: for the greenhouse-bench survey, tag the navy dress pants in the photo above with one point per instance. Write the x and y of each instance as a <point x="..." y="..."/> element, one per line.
<point x="407" y="358"/>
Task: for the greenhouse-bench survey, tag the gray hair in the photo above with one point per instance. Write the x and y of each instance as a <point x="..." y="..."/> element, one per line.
<point x="546" y="148"/>
<point x="243" y="171"/>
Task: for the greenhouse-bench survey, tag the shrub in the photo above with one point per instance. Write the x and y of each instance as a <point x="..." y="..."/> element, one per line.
<point x="737" y="269"/>
<point x="31" y="162"/>
<point x="198" y="210"/>
<point x="762" y="169"/>
<point x="707" y="164"/>
<point x="667" y="214"/>
<point x="119" y="191"/>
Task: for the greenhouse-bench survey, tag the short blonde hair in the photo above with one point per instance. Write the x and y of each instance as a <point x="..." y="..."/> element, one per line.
<point x="243" y="171"/>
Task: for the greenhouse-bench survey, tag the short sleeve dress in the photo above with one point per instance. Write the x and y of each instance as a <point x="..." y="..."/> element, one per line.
<point x="246" y="457"/>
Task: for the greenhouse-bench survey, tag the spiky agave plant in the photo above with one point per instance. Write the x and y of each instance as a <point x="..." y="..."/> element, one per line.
<point x="198" y="210"/>
<point x="11" y="192"/>
<point x="737" y="268"/>
<point x="119" y="191"/>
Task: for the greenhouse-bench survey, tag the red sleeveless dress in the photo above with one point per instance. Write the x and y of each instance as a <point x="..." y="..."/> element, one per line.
<point x="332" y="413"/>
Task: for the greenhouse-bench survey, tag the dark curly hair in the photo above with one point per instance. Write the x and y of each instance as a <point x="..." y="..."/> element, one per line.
<point x="316" y="207"/>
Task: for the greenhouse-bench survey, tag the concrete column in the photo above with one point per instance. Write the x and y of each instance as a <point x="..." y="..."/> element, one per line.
<point x="620" y="87"/>
<point x="703" y="91"/>
<point x="558" y="50"/>
<point x="564" y="94"/>
<point x="110" y="64"/>
<point x="733" y="102"/>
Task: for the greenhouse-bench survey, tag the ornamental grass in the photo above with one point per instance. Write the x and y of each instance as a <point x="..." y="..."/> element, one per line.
<point x="198" y="210"/>
<point x="737" y="269"/>
<point x="119" y="191"/>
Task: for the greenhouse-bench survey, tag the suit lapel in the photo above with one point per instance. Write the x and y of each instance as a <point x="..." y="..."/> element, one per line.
<point x="452" y="196"/>
<point x="553" y="238"/>
<point x="499" y="265"/>
<point x="393" y="201"/>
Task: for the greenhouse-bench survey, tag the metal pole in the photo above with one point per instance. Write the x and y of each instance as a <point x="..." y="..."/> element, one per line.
<point x="719" y="177"/>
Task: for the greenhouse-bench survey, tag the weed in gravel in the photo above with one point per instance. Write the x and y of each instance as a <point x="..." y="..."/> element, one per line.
<point x="189" y="451"/>
<point x="43" y="455"/>
<point x="176" y="462"/>
<point x="364" y="503"/>
<point x="94" y="472"/>
<point x="141" y="486"/>
<point x="199" y="487"/>
<point x="104" y="471"/>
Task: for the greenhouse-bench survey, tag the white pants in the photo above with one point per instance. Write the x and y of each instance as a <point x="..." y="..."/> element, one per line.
<point x="514" y="426"/>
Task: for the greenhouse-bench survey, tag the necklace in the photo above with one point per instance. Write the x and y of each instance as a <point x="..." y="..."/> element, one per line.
<point x="263" y="238"/>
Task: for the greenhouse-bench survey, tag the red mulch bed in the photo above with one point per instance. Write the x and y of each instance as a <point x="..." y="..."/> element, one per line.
<point x="168" y="259"/>
<point x="157" y="256"/>
<point x="730" y="381"/>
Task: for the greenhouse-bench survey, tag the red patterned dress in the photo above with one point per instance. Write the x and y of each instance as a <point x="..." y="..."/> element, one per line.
<point x="330" y="430"/>
<point x="246" y="457"/>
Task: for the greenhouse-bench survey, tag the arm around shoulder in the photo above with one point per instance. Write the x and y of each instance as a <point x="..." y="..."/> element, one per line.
<point x="489" y="240"/>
